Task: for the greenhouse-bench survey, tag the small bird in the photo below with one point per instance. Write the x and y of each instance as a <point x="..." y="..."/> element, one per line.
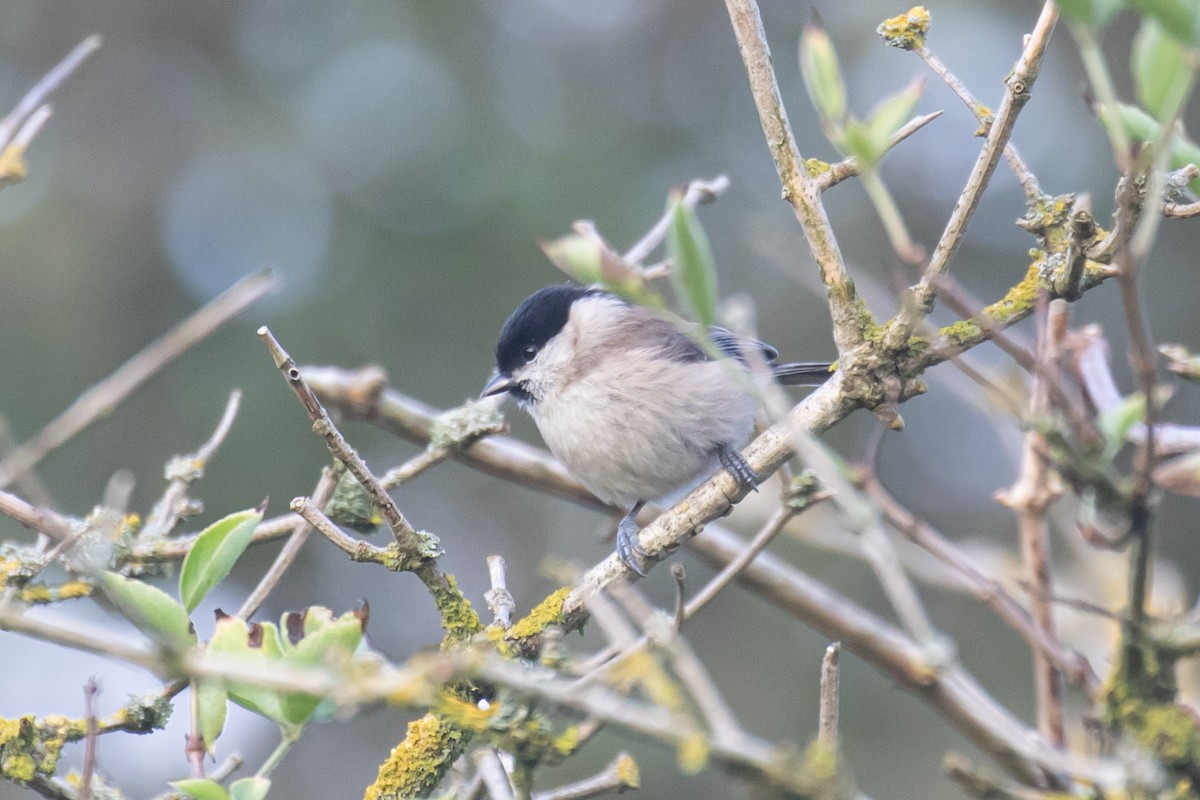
<point x="629" y="402"/>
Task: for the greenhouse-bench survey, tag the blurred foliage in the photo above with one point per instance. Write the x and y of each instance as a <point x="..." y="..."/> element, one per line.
<point x="397" y="163"/>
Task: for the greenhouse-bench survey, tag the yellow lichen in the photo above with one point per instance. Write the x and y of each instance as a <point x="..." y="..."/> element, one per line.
<point x="1019" y="299"/>
<point x="815" y="167"/>
<point x="30" y="747"/>
<point x="566" y="742"/>
<point x="458" y="617"/>
<point x="627" y="772"/>
<point x="73" y="590"/>
<point x="961" y="333"/>
<point x="466" y="714"/>
<point x="38" y="593"/>
<point x="906" y="31"/>
<point x="416" y="766"/>
<point x="12" y="165"/>
<point x="544" y="614"/>
<point x="691" y="754"/>
<point x="18" y="767"/>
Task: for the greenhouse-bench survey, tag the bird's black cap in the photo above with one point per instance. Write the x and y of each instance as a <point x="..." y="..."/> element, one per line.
<point x="537" y="320"/>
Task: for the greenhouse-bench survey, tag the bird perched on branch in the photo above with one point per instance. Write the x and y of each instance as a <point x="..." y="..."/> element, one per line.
<point x="632" y="404"/>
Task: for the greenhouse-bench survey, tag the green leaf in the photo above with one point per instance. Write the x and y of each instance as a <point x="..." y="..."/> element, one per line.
<point x="216" y="550"/>
<point x="1115" y="423"/>
<point x="1141" y="127"/>
<point x="588" y="260"/>
<point x="153" y="611"/>
<point x="232" y="639"/>
<point x="201" y="789"/>
<point x="822" y="74"/>
<point x="319" y="640"/>
<point x="1179" y="18"/>
<point x="1160" y="67"/>
<point x="886" y="118"/>
<point x="249" y="788"/>
<point x="1093" y="13"/>
<point x="693" y="272"/>
<point x="325" y="641"/>
<point x="578" y="256"/>
<point x="211" y="705"/>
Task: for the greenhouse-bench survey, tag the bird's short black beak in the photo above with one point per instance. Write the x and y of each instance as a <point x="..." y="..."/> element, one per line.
<point x="498" y="384"/>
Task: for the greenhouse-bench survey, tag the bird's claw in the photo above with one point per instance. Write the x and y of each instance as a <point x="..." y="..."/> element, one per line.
<point x="737" y="466"/>
<point x="628" y="547"/>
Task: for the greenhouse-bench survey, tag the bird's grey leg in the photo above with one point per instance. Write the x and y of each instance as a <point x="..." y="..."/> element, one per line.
<point x="732" y="460"/>
<point x="627" y="540"/>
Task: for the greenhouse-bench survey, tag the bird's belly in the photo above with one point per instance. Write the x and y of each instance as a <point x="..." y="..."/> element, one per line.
<point x="625" y="450"/>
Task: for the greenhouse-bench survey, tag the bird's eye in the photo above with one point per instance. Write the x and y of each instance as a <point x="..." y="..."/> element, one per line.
<point x="530" y="351"/>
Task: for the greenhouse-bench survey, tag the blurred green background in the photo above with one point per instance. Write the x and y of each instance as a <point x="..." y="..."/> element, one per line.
<point x="397" y="163"/>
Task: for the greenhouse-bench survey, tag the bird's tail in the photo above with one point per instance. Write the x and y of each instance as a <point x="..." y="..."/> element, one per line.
<point x="804" y="373"/>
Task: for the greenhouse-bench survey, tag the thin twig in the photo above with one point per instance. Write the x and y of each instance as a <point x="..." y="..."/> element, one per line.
<point x="764" y="537"/>
<point x="799" y="189"/>
<point x="357" y="549"/>
<point x="848" y="167"/>
<point x="413" y="467"/>
<point x="698" y="191"/>
<point x="1181" y="210"/>
<point x="1065" y="397"/>
<point x="79" y="638"/>
<point x="761" y="758"/>
<point x="25" y="136"/>
<point x="1128" y="261"/>
<point x="186" y="470"/>
<point x="405" y="534"/>
<point x="193" y="743"/>
<point x="226" y="768"/>
<point x="718" y="716"/>
<point x="977" y="783"/>
<point x="27" y="483"/>
<point x="287" y="555"/>
<point x="36" y="97"/>
<point x="1030" y="497"/>
<point x="362" y="394"/>
<point x="90" y="690"/>
<point x="498" y="598"/>
<point x="985" y="588"/>
<point x="178" y="547"/>
<point x="44" y="520"/>
<point x="620" y="775"/>
<point x="1090" y="355"/>
<point x="878" y="548"/>
<point x="684" y="611"/>
<point x="950" y="690"/>
<point x="983" y="115"/>
<point x="680" y="575"/>
<point x="827" y="722"/>
<point x="102" y="398"/>
<point x="495" y="778"/>
<point x="1019" y="84"/>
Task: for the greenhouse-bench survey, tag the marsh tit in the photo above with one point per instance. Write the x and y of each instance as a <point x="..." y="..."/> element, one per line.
<point x="628" y="401"/>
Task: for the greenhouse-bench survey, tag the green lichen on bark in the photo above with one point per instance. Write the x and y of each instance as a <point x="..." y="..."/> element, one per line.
<point x="1140" y="703"/>
<point x="417" y="765"/>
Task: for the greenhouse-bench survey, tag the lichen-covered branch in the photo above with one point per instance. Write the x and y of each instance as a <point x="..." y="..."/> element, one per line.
<point x="799" y="189"/>
<point x="1018" y="86"/>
